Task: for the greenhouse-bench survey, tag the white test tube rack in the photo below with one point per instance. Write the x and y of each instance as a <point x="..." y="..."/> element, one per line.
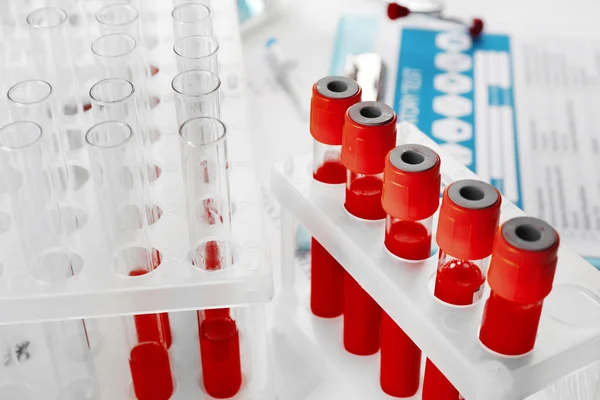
<point x="569" y="332"/>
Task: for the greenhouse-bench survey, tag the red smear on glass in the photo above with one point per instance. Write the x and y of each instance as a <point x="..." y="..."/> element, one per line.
<point x="409" y="240"/>
<point x="154" y="101"/>
<point x="400" y="360"/>
<point x="436" y="386"/>
<point x="332" y="172"/>
<point x="326" y="283"/>
<point x="499" y="319"/>
<point x="363" y="199"/>
<point x="220" y="354"/>
<point x="362" y="319"/>
<point x="151" y="371"/>
<point x="154" y="70"/>
<point x="457" y="282"/>
<point x="87" y="107"/>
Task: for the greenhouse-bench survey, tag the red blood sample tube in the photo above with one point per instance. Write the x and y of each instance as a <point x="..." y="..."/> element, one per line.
<point x="369" y="134"/>
<point x="331" y="98"/>
<point x="411" y="193"/>
<point x="220" y="353"/>
<point x="521" y="274"/>
<point x="467" y="224"/>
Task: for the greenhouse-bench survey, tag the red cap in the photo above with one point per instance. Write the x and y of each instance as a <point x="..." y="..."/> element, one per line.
<point x="369" y="134"/>
<point x="468" y="219"/>
<point x="524" y="260"/>
<point x="331" y="97"/>
<point x="411" y="182"/>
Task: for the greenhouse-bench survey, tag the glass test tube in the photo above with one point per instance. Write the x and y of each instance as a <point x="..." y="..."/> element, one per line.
<point x="191" y="19"/>
<point x="411" y="192"/>
<point x="467" y="224"/>
<point x="31" y="176"/>
<point x="119" y="57"/>
<point x="197" y="52"/>
<point x="33" y="101"/>
<point x="331" y="97"/>
<point x="115" y="161"/>
<point x="72" y="359"/>
<point x="124" y="18"/>
<point x="179" y="2"/>
<point x="521" y="273"/>
<point x="54" y="61"/>
<point x="204" y="160"/>
<point x="196" y="95"/>
<point x="369" y="134"/>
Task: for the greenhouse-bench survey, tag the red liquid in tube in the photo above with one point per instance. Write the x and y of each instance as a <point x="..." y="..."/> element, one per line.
<point x="220" y="352"/>
<point x="521" y="276"/>
<point x="369" y="134"/>
<point x="410" y="198"/>
<point x="151" y="371"/>
<point x="408" y="240"/>
<point x="331" y="97"/>
<point x="467" y="225"/>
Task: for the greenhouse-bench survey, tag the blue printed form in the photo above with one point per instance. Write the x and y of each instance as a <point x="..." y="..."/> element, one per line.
<point x="460" y="93"/>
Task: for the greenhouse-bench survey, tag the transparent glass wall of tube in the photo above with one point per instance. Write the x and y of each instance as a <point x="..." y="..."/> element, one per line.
<point x="196" y="95"/>
<point x="33" y="100"/>
<point x="119" y="57"/>
<point x="191" y="19"/>
<point x="52" y="50"/>
<point x="197" y="52"/>
<point x="204" y="160"/>
<point x="125" y="18"/>
<point x="29" y="170"/>
<point x="116" y="163"/>
<point x="72" y="359"/>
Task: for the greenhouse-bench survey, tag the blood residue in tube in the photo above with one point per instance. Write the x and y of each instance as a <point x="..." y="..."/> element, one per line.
<point x="363" y="198"/>
<point x="458" y="282"/>
<point x="409" y="240"/>
<point x="332" y="172"/>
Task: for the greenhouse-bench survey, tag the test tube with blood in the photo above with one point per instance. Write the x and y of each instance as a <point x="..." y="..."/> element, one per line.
<point x="521" y="274"/>
<point x="115" y="159"/>
<point x="204" y="160"/>
<point x="332" y="96"/>
<point x="467" y="224"/>
<point x="411" y="193"/>
<point x="369" y="134"/>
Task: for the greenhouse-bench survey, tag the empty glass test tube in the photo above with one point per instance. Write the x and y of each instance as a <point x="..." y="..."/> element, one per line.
<point x="30" y="173"/>
<point x="204" y="162"/>
<point x="119" y="57"/>
<point x="54" y="61"/>
<point x="124" y="18"/>
<point x="197" y="52"/>
<point x="191" y="19"/>
<point x="72" y="359"/>
<point x="196" y="95"/>
<point x="115" y="161"/>
<point x="33" y="101"/>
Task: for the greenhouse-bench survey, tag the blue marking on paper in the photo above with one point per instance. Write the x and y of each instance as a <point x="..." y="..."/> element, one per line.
<point x="432" y="97"/>
<point x="499" y="96"/>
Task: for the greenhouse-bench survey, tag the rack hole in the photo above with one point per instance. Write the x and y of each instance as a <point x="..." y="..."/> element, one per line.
<point x="137" y="261"/>
<point x="57" y="266"/>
